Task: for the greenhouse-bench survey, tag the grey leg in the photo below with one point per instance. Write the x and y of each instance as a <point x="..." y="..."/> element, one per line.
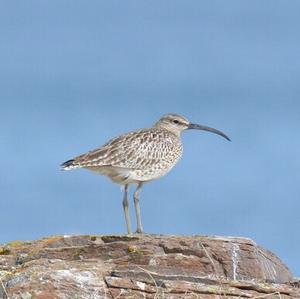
<point x="137" y="208"/>
<point x="126" y="210"/>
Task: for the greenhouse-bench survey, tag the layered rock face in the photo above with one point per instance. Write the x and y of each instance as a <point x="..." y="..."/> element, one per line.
<point x="147" y="266"/>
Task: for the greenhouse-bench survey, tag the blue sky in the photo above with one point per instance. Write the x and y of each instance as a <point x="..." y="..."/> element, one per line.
<point x="75" y="73"/>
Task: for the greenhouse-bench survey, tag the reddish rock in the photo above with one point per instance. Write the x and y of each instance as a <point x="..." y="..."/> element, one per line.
<point x="147" y="266"/>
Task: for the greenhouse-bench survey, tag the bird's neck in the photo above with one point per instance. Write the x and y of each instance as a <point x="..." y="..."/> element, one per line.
<point x="167" y="128"/>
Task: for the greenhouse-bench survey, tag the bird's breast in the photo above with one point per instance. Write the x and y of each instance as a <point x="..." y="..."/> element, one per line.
<point x="159" y="163"/>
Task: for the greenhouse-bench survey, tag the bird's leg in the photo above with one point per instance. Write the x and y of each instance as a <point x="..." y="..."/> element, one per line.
<point x="137" y="208"/>
<point x="126" y="210"/>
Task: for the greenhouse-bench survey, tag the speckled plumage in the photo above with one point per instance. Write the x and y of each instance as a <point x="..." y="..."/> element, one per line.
<point x="139" y="156"/>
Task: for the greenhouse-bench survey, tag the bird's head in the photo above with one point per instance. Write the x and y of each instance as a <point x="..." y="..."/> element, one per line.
<point x="176" y="124"/>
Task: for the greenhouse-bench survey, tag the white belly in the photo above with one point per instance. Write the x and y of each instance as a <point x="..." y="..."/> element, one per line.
<point x="126" y="176"/>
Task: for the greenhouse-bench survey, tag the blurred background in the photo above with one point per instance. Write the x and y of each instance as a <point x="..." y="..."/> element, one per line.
<point x="74" y="74"/>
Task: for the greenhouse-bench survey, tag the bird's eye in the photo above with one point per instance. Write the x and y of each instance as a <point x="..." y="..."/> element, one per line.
<point x="175" y="121"/>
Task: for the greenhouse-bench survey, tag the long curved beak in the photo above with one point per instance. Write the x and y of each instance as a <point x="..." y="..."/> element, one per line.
<point x="205" y="128"/>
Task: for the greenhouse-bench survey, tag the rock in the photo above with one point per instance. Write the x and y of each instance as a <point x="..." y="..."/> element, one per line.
<point x="147" y="266"/>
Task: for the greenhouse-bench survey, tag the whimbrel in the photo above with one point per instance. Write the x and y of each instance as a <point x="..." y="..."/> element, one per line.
<point x="138" y="157"/>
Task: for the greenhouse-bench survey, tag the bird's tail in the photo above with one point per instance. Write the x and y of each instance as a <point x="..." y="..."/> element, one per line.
<point x="70" y="164"/>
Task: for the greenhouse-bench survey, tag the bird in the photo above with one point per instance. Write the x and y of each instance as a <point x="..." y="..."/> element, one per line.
<point x="138" y="157"/>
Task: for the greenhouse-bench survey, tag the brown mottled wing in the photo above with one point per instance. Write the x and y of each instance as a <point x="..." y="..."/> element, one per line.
<point x="134" y="150"/>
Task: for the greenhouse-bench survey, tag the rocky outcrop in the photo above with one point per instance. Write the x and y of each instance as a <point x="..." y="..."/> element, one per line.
<point x="142" y="266"/>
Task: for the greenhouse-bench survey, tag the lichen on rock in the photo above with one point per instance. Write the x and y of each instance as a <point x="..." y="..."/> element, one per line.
<point x="142" y="266"/>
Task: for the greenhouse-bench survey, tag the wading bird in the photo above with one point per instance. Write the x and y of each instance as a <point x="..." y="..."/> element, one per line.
<point x="139" y="157"/>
